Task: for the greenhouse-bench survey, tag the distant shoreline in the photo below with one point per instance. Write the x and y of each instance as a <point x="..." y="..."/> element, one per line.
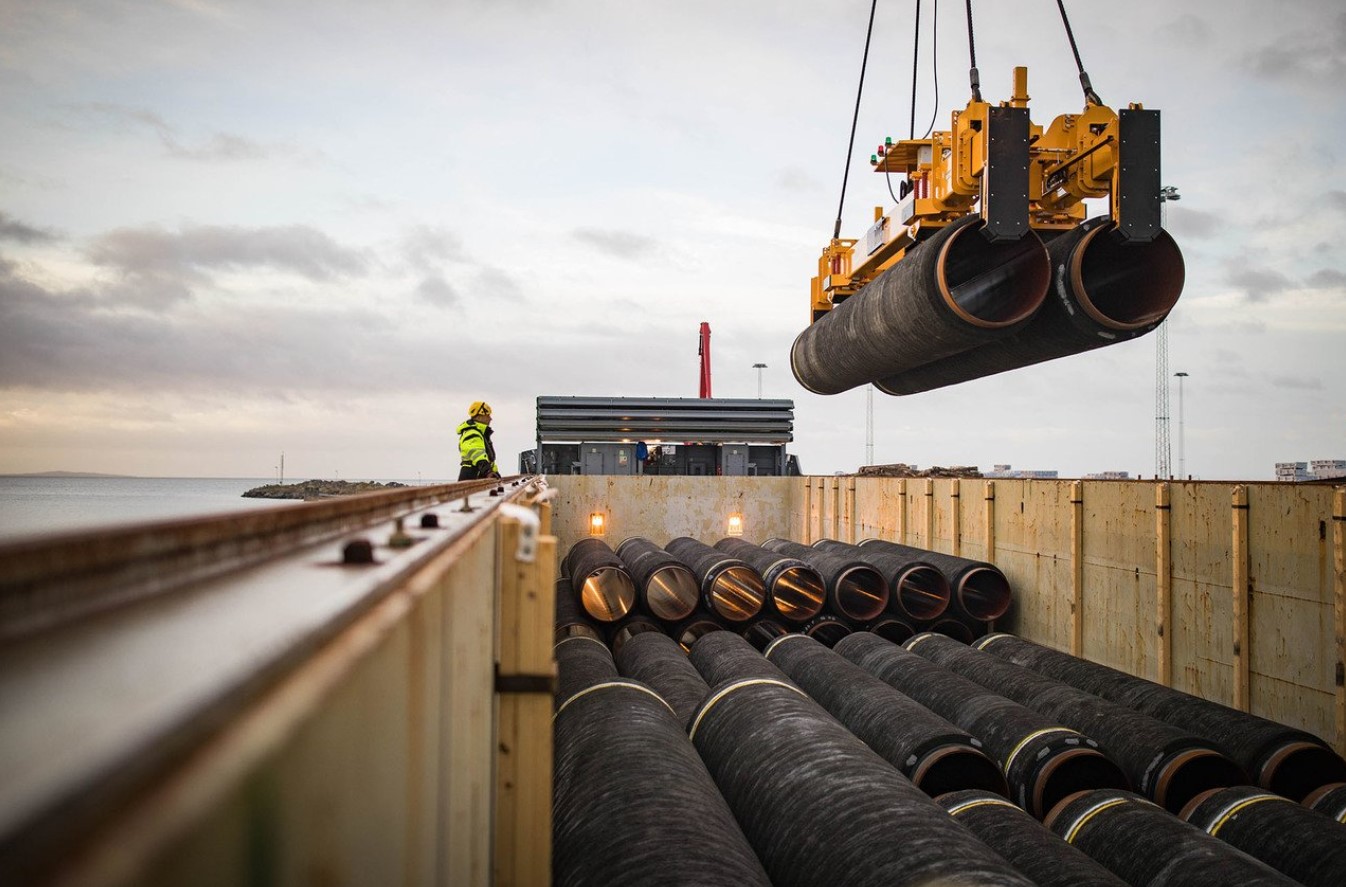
<point x="70" y="474"/>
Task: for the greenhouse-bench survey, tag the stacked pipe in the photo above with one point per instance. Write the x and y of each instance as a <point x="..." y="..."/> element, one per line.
<point x="952" y="292"/>
<point x="817" y="804"/>
<point x="918" y="591"/>
<point x="571" y="621"/>
<point x="1043" y="760"/>
<point x="1163" y="762"/>
<point x="658" y="660"/>
<point x="1330" y="800"/>
<point x="856" y="591"/>
<point x="1024" y="842"/>
<point x="1103" y="291"/>
<point x="795" y="590"/>
<point x="667" y="589"/>
<point x="1280" y="759"/>
<point x="978" y="590"/>
<point x="934" y="754"/>
<point x="1290" y="838"/>
<point x="599" y="580"/>
<point x="630" y="794"/>
<point x="730" y="588"/>
<point x="1145" y="844"/>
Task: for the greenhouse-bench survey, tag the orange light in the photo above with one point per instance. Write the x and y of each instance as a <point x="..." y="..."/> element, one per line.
<point x="735" y="527"/>
<point x="598" y="523"/>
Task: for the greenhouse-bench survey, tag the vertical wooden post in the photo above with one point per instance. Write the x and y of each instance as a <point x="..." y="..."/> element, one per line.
<point x="1077" y="568"/>
<point x="836" y="508"/>
<point x="850" y="510"/>
<point x="1163" y="573"/>
<point x="1339" y="609"/>
<point x="930" y="514"/>
<point x="956" y="516"/>
<point x="902" y="511"/>
<point x="990" y="521"/>
<point x="544" y="518"/>
<point x="1242" y="595"/>
<point x="525" y="678"/>
<point x="804" y="536"/>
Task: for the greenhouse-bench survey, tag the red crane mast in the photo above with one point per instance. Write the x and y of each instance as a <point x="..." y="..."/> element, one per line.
<point x="703" y="349"/>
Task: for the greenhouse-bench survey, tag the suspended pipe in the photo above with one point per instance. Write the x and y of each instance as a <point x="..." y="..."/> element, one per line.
<point x="796" y="590"/>
<point x="667" y="589"/>
<point x="1145" y="844"/>
<point x="1165" y="763"/>
<point x="817" y="804"/>
<point x="571" y="621"/>
<point x="1043" y="760"/>
<point x="599" y="579"/>
<point x="893" y="630"/>
<point x="934" y="754"/>
<point x="1329" y="800"/>
<point x="695" y="626"/>
<point x="658" y="660"/>
<point x="1021" y="839"/>
<point x="1280" y="759"/>
<point x="632" y="625"/>
<point x="1290" y="838"/>
<point x="917" y="589"/>
<point x="827" y="630"/>
<point x="951" y="292"/>
<point x="979" y="590"/>
<point x="855" y="590"/>
<point x="763" y="632"/>
<point x="631" y="795"/>
<point x="1103" y="291"/>
<point x="730" y="588"/>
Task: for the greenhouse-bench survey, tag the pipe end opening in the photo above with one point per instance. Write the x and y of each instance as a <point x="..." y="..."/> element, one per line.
<point x="672" y="593"/>
<point x="956" y="767"/>
<point x="737" y="593"/>
<point x="1071" y="773"/>
<point x="993" y="285"/>
<point x="1191" y="772"/>
<point x="923" y="592"/>
<point x="1126" y="286"/>
<point x="1299" y="768"/>
<point x="984" y="594"/>
<point x="608" y="594"/>
<point x="861" y="594"/>
<point x="799" y="594"/>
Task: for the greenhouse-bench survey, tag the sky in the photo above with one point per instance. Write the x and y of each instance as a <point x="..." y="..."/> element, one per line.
<point x="232" y="230"/>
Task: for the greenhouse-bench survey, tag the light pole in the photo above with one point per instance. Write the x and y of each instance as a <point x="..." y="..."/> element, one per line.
<point x="1182" y="454"/>
<point x="1163" y="464"/>
<point x="759" y="367"/>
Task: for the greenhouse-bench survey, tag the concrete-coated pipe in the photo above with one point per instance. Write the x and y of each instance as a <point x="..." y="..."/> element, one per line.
<point x="855" y="590"/>
<point x="1165" y="763"/>
<point x="950" y="293"/>
<point x="951" y="628"/>
<point x="571" y="621"/>
<point x="1143" y="843"/>
<point x="1329" y="800"/>
<point x="763" y="632"/>
<point x="660" y="662"/>
<point x="934" y="754"/>
<point x="1290" y="838"/>
<point x="917" y="589"/>
<point x="1281" y="759"/>
<point x="730" y="588"/>
<point x="725" y="656"/>
<point x="668" y="589"/>
<point x="827" y="629"/>
<point x="796" y="590"/>
<point x="1042" y="759"/>
<point x="980" y="590"/>
<point x="1103" y="291"/>
<point x="1022" y="840"/>
<point x="634" y="623"/>
<point x="598" y="578"/>
<point x="892" y="629"/>
<point x="581" y="662"/>
<point x="694" y="627"/>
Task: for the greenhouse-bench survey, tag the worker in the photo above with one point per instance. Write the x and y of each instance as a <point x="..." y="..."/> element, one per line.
<point x="475" y="451"/>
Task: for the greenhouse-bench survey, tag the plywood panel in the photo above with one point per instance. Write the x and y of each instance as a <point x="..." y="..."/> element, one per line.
<point x="1203" y="610"/>
<point x="1119" y="578"/>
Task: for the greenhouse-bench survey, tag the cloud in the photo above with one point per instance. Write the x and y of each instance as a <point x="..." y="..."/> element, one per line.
<point x="218" y="146"/>
<point x="1312" y="57"/>
<point x="1259" y="284"/>
<point x="426" y="248"/>
<point x="620" y="244"/>
<point x="1336" y="200"/>
<point x="494" y="284"/>
<point x="795" y="179"/>
<point x="1301" y="383"/>
<point x="13" y="230"/>
<point x="1327" y="278"/>
<point x="437" y="291"/>
<point x="1194" y="223"/>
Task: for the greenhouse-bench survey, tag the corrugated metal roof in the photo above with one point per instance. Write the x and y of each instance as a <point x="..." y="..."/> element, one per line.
<point x="674" y="419"/>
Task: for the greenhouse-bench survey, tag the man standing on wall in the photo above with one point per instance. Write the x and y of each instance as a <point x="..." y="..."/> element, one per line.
<point x="476" y="453"/>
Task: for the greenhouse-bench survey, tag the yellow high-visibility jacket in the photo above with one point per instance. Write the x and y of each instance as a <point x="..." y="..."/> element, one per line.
<point x="475" y="449"/>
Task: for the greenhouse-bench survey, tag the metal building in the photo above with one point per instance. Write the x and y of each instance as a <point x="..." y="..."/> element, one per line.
<point x="662" y="435"/>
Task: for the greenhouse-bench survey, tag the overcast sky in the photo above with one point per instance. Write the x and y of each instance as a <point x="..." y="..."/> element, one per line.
<point x="232" y="229"/>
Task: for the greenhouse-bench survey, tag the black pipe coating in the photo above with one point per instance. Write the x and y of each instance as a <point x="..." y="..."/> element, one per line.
<point x="855" y="590"/>
<point x="1165" y="763"/>
<point x="724" y="656"/>
<point x="763" y="632"/>
<point x="1290" y="838"/>
<point x="896" y="631"/>
<point x="689" y="630"/>
<point x="951" y="628"/>
<point x="1043" y="760"/>
<point x="917" y="588"/>
<point x="796" y="590"/>
<point x="818" y="805"/>
<point x="1329" y="800"/>
<point x="980" y="590"/>
<point x="1021" y="839"/>
<point x="571" y="621"/>
<point x="934" y="754"/>
<point x="631" y="796"/>
<point x="827" y="629"/>
<point x="660" y="662"/>
<point x="730" y="588"/>
<point x="581" y="663"/>
<point x="668" y="590"/>
<point x="1280" y="759"/>
<point x="599" y="579"/>
<point x="1103" y="291"/>
<point x="632" y="625"/>
<point x="950" y="293"/>
<point x="1145" y="844"/>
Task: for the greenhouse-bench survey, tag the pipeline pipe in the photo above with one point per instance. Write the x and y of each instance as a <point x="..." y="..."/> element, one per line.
<point x="918" y="590"/>
<point x="951" y="628"/>
<point x="581" y="663"/>
<point x="855" y="590"/>
<point x="893" y="630"/>
<point x="1290" y="838"/>
<point x="817" y="804"/>
<point x="934" y="754"/>
<point x="632" y="625"/>
<point x="599" y="579"/>
<point x="1165" y="763"/>
<point x="571" y="621"/>
<point x="1143" y="843"/>
<point x="730" y="588"/>
<point x="827" y="629"/>
<point x="631" y="795"/>
<point x="979" y="590"/>
<point x="763" y="632"/>
<point x="1103" y="291"/>
<point x="667" y="589"/>
<point x="695" y="626"/>
<point x="950" y="293"/>
<point x="1280" y="759"/>
<point x="1021" y="839"/>
<point x="797" y="592"/>
<point x="724" y="656"/>
<point x="1329" y="800"/>
<point x="658" y="660"/>
<point x="1043" y="760"/>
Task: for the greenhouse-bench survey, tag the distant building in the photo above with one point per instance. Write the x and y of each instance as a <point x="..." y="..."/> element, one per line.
<point x="1328" y="469"/>
<point x="1109" y="475"/>
<point x="1008" y="471"/>
<point x="1319" y="469"/>
<point x="1291" y="472"/>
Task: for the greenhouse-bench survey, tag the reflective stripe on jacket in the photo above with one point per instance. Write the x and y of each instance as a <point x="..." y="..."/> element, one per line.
<point x="475" y="447"/>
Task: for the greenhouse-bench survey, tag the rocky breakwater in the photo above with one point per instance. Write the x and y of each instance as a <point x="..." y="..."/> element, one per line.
<point x="318" y="489"/>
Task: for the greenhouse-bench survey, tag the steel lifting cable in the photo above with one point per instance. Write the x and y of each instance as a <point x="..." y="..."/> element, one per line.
<point x="1089" y="95"/>
<point x="855" y="118"/>
<point x="905" y="186"/>
<point x="973" y="75"/>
